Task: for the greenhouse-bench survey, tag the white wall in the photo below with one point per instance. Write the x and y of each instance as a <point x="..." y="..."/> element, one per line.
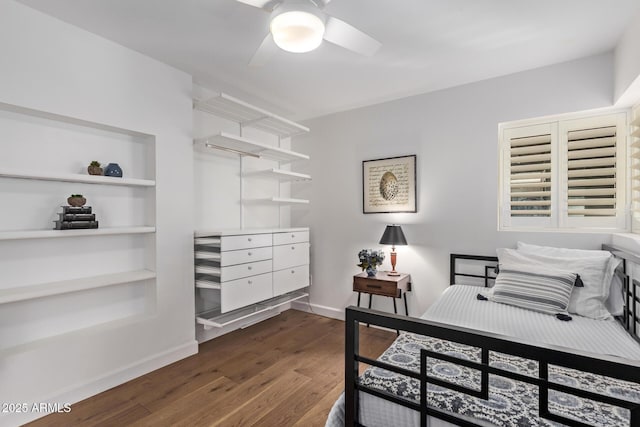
<point x="51" y="66"/>
<point x="627" y="64"/>
<point x="454" y="133"/>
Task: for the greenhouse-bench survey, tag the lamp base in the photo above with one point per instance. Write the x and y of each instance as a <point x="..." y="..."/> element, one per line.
<point x="393" y="273"/>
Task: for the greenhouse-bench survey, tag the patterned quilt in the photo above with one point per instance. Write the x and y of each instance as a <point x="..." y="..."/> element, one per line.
<point x="511" y="402"/>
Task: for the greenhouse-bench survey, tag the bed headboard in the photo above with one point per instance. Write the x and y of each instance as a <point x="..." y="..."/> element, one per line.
<point x="484" y="267"/>
<point x="489" y="269"/>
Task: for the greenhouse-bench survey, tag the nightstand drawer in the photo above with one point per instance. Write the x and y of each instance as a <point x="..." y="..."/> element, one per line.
<point x="376" y="287"/>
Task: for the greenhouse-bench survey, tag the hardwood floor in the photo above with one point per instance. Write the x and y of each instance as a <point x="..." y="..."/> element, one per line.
<point x="285" y="371"/>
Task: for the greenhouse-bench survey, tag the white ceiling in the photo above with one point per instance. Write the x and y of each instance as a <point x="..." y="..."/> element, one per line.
<point x="426" y="44"/>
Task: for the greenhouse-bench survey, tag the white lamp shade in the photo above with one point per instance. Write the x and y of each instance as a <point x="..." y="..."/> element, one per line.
<point x="297" y="31"/>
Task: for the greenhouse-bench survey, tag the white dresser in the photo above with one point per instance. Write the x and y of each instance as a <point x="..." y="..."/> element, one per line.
<point x="238" y="269"/>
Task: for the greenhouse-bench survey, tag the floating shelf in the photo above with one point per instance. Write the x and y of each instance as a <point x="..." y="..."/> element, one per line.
<point x="49" y="234"/>
<point x="277" y="200"/>
<point x="245" y="146"/>
<point x="70" y="177"/>
<point x="231" y="108"/>
<point x="636" y="122"/>
<point x="214" y="319"/>
<point x="279" y="174"/>
<point x="636" y="133"/>
<point x="23" y="293"/>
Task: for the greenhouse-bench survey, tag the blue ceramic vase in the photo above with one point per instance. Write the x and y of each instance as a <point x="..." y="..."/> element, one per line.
<point x="371" y="271"/>
<point x="113" y="169"/>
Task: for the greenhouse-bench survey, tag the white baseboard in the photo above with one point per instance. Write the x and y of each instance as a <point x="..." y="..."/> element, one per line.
<point x="104" y="382"/>
<point x="321" y="310"/>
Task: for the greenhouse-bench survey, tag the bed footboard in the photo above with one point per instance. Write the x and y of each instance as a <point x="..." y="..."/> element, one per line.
<point x="544" y="355"/>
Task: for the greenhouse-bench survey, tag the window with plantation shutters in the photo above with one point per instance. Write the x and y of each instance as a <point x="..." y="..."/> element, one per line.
<point x="530" y="177"/>
<point x="635" y="168"/>
<point x="564" y="174"/>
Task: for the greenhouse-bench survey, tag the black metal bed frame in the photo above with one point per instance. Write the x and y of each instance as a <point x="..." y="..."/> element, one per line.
<point x="544" y="355"/>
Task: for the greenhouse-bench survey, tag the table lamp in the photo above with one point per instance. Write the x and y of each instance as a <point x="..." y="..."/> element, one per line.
<point x="393" y="236"/>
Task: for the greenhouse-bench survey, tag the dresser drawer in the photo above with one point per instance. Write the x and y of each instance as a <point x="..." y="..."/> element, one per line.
<point x="245" y="241"/>
<point x="286" y="256"/>
<point x="242" y="292"/>
<point x="244" y="256"/>
<point x="292" y="237"/>
<point x="376" y="287"/>
<point x="233" y="272"/>
<point x="290" y="279"/>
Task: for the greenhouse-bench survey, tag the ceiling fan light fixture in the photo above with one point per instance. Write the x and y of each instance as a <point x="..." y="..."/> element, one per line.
<point x="297" y="31"/>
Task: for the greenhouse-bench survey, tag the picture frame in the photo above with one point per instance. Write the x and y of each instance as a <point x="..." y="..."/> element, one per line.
<point x="389" y="185"/>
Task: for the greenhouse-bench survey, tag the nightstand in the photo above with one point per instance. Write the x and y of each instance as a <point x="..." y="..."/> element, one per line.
<point x="383" y="285"/>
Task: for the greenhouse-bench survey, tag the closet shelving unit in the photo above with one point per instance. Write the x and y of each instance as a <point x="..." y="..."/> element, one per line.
<point x="14" y="293"/>
<point x="247" y="116"/>
<point x="247" y="147"/>
<point x="279" y="174"/>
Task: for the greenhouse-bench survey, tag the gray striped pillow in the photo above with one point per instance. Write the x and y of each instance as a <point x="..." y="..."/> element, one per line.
<point x="535" y="288"/>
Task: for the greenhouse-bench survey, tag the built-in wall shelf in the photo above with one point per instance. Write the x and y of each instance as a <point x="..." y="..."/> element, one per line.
<point x="278" y="201"/>
<point x="636" y="133"/>
<point x="279" y="174"/>
<point x="636" y="122"/>
<point x="231" y="108"/>
<point x="215" y="319"/>
<point x="50" y="234"/>
<point x="246" y="146"/>
<point x="41" y="290"/>
<point x="80" y="178"/>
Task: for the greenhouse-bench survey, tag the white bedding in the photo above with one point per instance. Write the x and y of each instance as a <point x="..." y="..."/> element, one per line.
<point x="458" y="306"/>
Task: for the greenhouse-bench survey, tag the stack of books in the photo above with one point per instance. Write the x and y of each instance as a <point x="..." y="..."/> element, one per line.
<point x="76" y="217"/>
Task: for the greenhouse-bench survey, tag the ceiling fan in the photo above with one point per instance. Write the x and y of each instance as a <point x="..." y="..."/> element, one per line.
<point x="300" y="26"/>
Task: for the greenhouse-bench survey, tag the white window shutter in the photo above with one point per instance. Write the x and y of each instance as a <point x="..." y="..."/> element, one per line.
<point x="570" y="173"/>
<point x="528" y="176"/>
<point x="592" y="172"/>
<point x="635" y="169"/>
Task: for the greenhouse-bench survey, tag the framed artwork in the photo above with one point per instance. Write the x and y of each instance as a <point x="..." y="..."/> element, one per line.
<point x="389" y="185"/>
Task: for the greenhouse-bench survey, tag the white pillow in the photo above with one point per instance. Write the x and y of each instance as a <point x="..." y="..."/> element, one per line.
<point x="614" y="302"/>
<point x="586" y="301"/>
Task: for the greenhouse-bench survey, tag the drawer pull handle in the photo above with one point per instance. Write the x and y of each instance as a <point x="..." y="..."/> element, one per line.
<point x="249" y="253"/>
<point x="293" y="247"/>
<point x="374" y="286"/>
<point x="293" y="271"/>
<point x="293" y="236"/>
<point x="250" y="282"/>
<point x="249" y="267"/>
<point x="249" y="239"/>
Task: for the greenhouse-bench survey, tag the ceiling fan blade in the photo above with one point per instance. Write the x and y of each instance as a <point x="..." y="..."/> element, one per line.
<point x="320" y="3"/>
<point x="264" y="53"/>
<point x="260" y="4"/>
<point x="345" y="35"/>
